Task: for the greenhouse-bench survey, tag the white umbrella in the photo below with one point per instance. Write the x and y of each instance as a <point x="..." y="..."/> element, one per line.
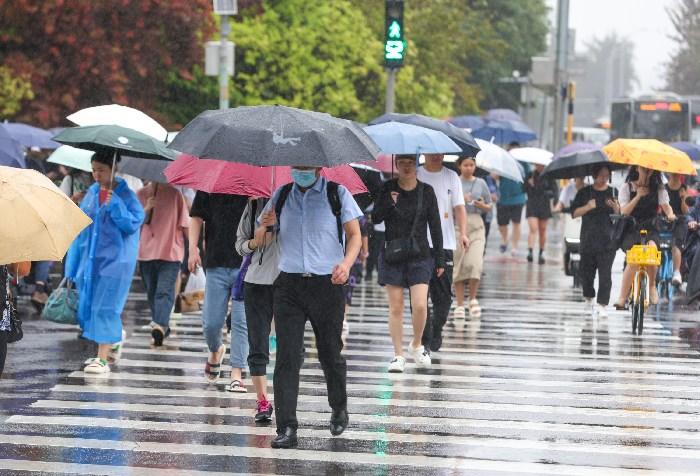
<point x="72" y="157"/>
<point x="114" y="114"/>
<point x="532" y="155"/>
<point x="493" y="158"/>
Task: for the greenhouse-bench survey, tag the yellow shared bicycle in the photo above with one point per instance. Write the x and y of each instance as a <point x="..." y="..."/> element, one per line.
<point x="644" y="257"/>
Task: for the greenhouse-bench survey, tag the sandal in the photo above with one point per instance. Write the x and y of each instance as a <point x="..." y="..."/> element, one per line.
<point x="236" y="386"/>
<point x="474" y="308"/>
<point x="212" y="371"/>
<point x="621" y="307"/>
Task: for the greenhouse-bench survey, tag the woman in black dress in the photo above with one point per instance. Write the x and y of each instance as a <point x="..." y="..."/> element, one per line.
<point x="538" y="211"/>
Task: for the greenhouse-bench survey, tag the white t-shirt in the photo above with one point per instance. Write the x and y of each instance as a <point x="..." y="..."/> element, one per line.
<point x="448" y="190"/>
<point x="568" y="193"/>
<point x="625" y="194"/>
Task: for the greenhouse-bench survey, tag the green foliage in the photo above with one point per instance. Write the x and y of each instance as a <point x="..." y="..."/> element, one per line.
<point x="183" y="98"/>
<point x="683" y="73"/>
<point x="13" y="92"/>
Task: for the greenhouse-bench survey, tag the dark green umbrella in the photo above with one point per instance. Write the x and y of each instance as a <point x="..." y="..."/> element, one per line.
<point x="121" y="140"/>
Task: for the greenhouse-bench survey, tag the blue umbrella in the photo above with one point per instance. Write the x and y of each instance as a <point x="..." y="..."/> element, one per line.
<point x="467" y="122"/>
<point x="11" y="154"/>
<point x="505" y="132"/>
<point x="502" y="115"/>
<point x="30" y="136"/>
<point x="403" y="139"/>
<point x="693" y="150"/>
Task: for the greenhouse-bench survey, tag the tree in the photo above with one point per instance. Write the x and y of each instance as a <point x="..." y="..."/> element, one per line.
<point x="84" y="53"/>
<point x="611" y="60"/>
<point x="13" y="91"/>
<point x="683" y="73"/>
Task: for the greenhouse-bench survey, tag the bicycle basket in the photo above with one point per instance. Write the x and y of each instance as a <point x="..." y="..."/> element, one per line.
<point x="644" y="255"/>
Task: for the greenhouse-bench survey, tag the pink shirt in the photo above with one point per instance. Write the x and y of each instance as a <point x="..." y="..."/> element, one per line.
<point x="163" y="238"/>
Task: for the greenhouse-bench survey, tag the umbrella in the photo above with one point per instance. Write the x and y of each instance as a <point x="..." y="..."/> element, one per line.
<point x="11" y="154"/>
<point x="30" y="136"/>
<point x="217" y="176"/>
<point x="115" y="138"/>
<point x="578" y="163"/>
<point x="401" y="138"/>
<point x="461" y="137"/>
<point x="502" y="115"/>
<point x="493" y="158"/>
<point x="505" y="132"/>
<point x="575" y="147"/>
<point x="532" y="155"/>
<point x="72" y="157"/>
<point x="275" y="135"/>
<point x="39" y="222"/>
<point x="650" y="153"/>
<point x="114" y="114"/>
<point x="693" y="150"/>
<point x="467" y="122"/>
<point x="148" y="170"/>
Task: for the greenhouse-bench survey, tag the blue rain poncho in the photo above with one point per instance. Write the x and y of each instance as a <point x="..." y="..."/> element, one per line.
<point x="102" y="261"/>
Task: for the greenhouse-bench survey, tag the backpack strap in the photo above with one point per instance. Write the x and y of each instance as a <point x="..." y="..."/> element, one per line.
<point x="253" y="211"/>
<point x="336" y="207"/>
<point x="279" y="205"/>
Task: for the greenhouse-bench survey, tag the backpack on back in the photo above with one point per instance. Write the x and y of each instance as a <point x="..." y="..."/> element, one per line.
<point x="333" y="201"/>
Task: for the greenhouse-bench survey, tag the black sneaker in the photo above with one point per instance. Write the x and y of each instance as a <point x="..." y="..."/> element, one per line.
<point x="529" y="257"/>
<point x="540" y="260"/>
<point x="159" y="334"/>
<point x="264" y="413"/>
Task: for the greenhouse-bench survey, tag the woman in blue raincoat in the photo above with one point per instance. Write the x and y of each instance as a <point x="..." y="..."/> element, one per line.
<point x="102" y="260"/>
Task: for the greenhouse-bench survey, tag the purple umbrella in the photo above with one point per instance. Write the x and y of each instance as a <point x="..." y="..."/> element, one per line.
<point x="30" y="136"/>
<point x="693" y="150"/>
<point x="575" y="147"/>
<point x="467" y="122"/>
<point x="11" y="154"/>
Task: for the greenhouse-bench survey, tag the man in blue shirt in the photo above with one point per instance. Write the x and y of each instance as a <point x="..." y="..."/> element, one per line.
<point x="313" y="269"/>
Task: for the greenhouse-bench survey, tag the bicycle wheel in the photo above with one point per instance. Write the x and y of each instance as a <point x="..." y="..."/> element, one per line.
<point x="634" y="307"/>
<point x="642" y="298"/>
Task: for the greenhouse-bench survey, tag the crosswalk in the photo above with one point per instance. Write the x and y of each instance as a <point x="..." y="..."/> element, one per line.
<point x="535" y="386"/>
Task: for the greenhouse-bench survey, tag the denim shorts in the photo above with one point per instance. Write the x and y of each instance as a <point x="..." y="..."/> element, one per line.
<point x="405" y="275"/>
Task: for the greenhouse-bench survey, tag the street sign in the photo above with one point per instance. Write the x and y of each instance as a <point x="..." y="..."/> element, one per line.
<point x="395" y="42"/>
<point x="226" y="7"/>
<point x="211" y="58"/>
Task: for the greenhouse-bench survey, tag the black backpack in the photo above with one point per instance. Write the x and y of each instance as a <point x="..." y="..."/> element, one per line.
<point x="333" y="200"/>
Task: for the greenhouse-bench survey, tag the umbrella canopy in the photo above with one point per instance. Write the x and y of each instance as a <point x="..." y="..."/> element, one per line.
<point x="505" y="132"/>
<point x="502" y="115"/>
<point x="467" y="122"/>
<point x="39" y="222"/>
<point x="115" y="138"/>
<point x="493" y="158"/>
<point x="147" y="170"/>
<point x="575" y="147"/>
<point x="650" y="153"/>
<point x="275" y="135"/>
<point x="11" y="154"/>
<point x="693" y="150"/>
<point x="114" y="114"/>
<point x="30" y="136"/>
<point x="532" y="155"/>
<point x="217" y="176"/>
<point x="461" y="137"/>
<point x="579" y="163"/>
<point x="401" y="139"/>
<point x="72" y="157"/>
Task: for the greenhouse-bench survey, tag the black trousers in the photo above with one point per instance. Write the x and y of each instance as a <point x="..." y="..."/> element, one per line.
<point x="296" y="300"/>
<point x="258" y="314"/>
<point x="3" y="349"/>
<point x="601" y="262"/>
<point x="376" y="243"/>
<point x="440" y="291"/>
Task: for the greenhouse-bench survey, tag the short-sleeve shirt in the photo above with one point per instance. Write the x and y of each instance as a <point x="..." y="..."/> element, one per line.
<point x="625" y="194"/>
<point x="308" y="230"/>
<point x="596" y="225"/>
<point x="567" y="194"/>
<point x="221" y="214"/>
<point x="163" y="238"/>
<point x="675" y="199"/>
<point x="477" y="188"/>
<point x="448" y="190"/>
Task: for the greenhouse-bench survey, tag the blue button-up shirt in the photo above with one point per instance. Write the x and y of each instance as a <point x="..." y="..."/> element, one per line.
<point x="308" y="230"/>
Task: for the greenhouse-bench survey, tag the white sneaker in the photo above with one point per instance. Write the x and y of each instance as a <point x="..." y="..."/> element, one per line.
<point x="115" y="353"/>
<point x="421" y="357"/>
<point x="459" y="312"/>
<point x="601" y="310"/>
<point x="677" y="279"/>
<point x="397" y="365"/>
<point x="589" y="305"/>
<point x="97" y="366"/>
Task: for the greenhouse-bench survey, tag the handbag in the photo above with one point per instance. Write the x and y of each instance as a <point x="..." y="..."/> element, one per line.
<point x="15" y="333"/>
<point x="620" y="224"/>
<point x="405" y="249"/>
<point x="62" y="305"/>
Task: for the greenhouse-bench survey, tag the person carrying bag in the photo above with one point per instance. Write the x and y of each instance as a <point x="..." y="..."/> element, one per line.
<point x="62" y="305"/>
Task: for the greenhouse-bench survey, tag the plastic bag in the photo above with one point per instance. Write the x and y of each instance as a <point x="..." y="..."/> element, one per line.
<point x="196" y="282"/>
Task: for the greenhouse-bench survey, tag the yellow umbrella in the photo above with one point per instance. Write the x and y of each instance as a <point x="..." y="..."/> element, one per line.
<point x="650" y="153"/>
<point x="38" y="222"/>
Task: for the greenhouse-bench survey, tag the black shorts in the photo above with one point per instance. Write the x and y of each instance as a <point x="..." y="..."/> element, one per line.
<point x="405" y="275"/>
<point x="508" y="213"/>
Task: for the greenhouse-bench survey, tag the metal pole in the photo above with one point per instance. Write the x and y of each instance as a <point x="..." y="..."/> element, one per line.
<point x="390" y="90"/>
<point x="223" y="63"/>
<point x="560" y="70"/>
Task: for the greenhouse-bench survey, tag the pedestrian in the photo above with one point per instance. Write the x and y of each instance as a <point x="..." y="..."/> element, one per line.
<point x="540" y="191"/>
<point x="595" y="203"/>
<point x="376" y="244"/>
<point x="102" y="260"/>
<point x="19" y="270"/>
<point x="258" y="296"/>
<point x="469" y="262"/>
<point x="448" y="191"/>
<point x="640" y="198"/>
<point x="509" y="209"/>
<point x="488" y="217"/>
<point x="677" y="193"/>
<point x="356" y="272"/>
<point x="161" y="251"/>
<point x="219" y="214"/>
<point x="408" y="207"/>
<point x="567" y="195"/>
<point x="313" y="220"/>
<point x="75" y="184"/>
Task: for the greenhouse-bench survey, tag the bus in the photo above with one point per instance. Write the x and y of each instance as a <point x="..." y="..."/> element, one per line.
<point x="666" y="117"/>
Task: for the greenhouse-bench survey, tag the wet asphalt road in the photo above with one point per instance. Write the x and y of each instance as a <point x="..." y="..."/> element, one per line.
<point x="535" y="386"/>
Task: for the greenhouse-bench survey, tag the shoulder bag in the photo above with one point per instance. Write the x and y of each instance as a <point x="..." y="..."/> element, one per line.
<point x="62" y="305"/>
<point x="405" y="249"/>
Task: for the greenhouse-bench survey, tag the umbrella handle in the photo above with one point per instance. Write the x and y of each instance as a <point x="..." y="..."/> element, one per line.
<point x="114" y="166"/>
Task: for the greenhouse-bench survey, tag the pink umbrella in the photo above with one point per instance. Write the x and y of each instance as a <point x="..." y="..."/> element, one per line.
<point x="218" y="176"/>
<point x="385" y="163"/>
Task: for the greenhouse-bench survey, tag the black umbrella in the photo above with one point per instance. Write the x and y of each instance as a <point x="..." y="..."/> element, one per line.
<point x="461" y="137"/>
<point x="579" y="164"/>
<point x="275" y="135"/>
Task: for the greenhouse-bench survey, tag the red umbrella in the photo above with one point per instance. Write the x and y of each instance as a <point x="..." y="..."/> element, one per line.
<point x="218" y="176"/>
<point x="385" y="163"/>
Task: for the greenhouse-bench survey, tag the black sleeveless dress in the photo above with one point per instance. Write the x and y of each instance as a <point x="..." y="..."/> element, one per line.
<point x="644" y="213"/>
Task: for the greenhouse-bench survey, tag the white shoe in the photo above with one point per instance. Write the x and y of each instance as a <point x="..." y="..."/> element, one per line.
<point x="421" y="357"/>
<point x="677" y="279"/>
<point x="601" y="310"/>
<point x="589" y="304"/>
<point x="97" y="366"/>
<point x="115" y="353"/>
<point x="474" y="308"/>
<point x="397" y="365"/>
<point x="459" y="312"/>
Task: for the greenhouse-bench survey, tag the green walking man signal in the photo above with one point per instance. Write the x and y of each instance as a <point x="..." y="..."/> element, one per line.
<point x="395" y="43"/>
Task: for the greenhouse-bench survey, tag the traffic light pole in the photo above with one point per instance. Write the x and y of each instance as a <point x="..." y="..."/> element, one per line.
<point x="223" y="63"/>
<point x="390" y="90"/>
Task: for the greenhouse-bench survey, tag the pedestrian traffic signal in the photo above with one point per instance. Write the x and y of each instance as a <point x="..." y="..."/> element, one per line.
<point x="394" y="44"/>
